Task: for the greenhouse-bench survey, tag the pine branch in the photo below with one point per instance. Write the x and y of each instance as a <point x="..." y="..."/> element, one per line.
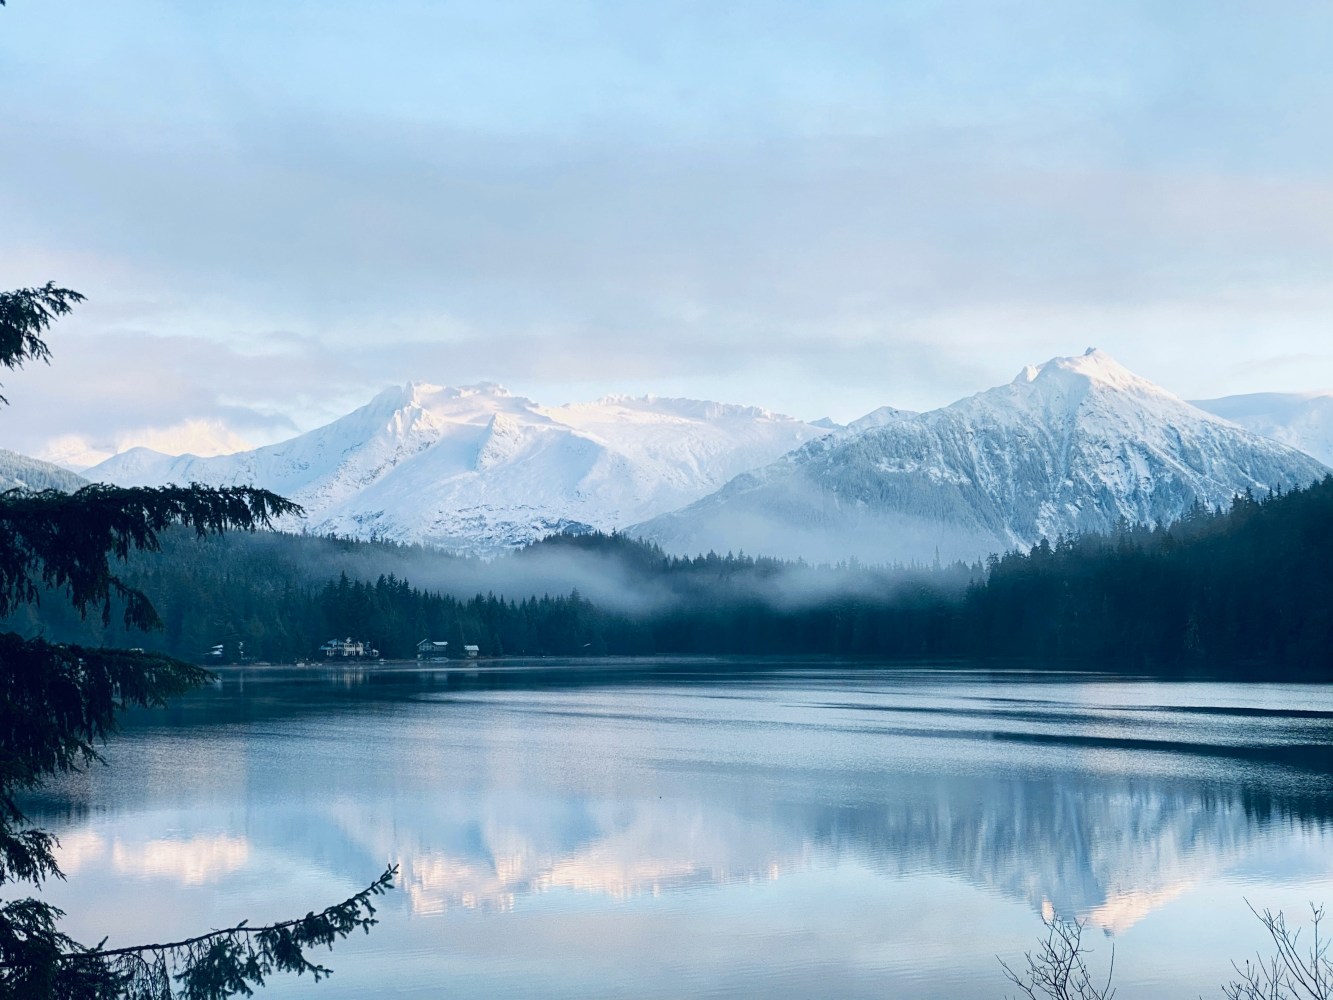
<point x="300" y="927"/>
<point x="25" y="314"/>
<point x="57" y="702"/>
<point x="37" y="960"/>
<point x="66" y="541"/>
<point x="231" y="961"/>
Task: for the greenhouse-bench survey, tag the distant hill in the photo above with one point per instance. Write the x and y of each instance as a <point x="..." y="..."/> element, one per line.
<point x="20" y="471"/>
<point x="1302" y="420"/>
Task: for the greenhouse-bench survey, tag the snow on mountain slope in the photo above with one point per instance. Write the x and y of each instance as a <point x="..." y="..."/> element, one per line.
<point x="477" y="469"/>
<point x="880" y="418"/>
<point x="1301" y="420"/>
<point x="21" y="472"/>
<point x="1072" y="445"/>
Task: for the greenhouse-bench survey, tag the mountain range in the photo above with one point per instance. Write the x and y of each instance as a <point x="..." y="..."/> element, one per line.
<point x="476" y="469"/>
<point x="1072" y="445"/>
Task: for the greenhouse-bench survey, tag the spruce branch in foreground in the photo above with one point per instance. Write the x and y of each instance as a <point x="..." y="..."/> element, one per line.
<point x="58" y="703"/>
<point x="233" y="960"/>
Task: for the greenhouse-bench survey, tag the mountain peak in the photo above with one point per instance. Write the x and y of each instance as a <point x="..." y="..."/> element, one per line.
<point x="1071" y="446"/>
<point x="422" y="392"/>
<point x="1094" y="366"/>
<point x="484" y="389"/>
<point x="415" y="401"/>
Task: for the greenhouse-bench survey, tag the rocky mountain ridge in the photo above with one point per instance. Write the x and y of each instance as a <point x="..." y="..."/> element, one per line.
<point x="476" y="469"/>
<point x="1070" y="446"/>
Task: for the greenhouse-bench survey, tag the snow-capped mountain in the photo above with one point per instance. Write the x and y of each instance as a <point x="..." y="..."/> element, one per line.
<point x="1301" y="420"/>
<point x="21" y="472"/>
<point x="477" y="469"/>
<point x="1070" y="446"/>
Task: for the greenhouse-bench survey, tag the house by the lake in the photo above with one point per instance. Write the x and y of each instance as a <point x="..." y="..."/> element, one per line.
<point x="471" y="652"/>
<point x="432" y="649"/>
<point x="348" y="648"/>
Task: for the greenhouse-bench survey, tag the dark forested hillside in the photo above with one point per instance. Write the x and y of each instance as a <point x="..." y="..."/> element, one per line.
<point x="283" y="595"/>
<point x="1249" y="587"/>
<point x="1252" y="584"/>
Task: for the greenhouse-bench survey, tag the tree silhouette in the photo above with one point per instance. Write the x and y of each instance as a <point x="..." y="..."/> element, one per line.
<point x="59" y="702"/>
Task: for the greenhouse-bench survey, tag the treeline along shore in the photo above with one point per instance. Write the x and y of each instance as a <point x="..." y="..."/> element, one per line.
<point x="1247" y="589"/>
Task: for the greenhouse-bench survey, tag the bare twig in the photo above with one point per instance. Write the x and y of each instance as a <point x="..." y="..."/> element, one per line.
<point x="1059" y="970"/>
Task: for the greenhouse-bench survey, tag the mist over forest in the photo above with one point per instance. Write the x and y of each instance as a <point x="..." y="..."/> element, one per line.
<point x="1242" y="589"/>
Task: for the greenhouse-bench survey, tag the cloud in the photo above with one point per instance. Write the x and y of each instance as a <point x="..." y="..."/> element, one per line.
<point x="103" y="391"/>
<point x="204" y="438"/>
<point x="820" y="215"/>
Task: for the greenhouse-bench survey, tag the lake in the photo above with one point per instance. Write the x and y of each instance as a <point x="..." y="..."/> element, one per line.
<point x="692" y="828"/>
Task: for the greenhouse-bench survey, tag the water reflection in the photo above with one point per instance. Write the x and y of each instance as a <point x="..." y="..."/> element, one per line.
<point x="189" y="861"/>
<point x="1110" y="855"/>
<point x="538" y="791"/>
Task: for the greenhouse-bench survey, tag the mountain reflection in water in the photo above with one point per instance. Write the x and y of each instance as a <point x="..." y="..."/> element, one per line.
<point x="1108" y="800"/>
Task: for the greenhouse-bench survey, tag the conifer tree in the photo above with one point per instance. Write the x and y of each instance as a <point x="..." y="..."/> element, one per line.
<point x="59" y="702"/>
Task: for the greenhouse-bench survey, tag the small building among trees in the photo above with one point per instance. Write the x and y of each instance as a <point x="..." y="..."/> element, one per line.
<point x="348" y="648"/>
<point x="432" y="649"/>
<point x="471" y="652"/>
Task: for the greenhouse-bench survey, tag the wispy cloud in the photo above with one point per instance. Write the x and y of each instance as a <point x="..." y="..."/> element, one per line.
<point x="817" y="214"/>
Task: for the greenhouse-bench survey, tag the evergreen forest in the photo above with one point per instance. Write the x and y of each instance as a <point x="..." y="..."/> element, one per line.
<point x="1246" y="590"/>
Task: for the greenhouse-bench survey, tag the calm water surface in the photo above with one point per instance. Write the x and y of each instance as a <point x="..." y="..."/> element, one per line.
<point x="667" y="829"/>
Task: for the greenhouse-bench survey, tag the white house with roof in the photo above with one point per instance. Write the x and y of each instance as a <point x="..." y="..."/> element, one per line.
<point x="347" y="648"/>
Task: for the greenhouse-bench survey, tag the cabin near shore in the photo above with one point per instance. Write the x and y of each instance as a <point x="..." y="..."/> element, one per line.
<point x="432" y="649"/>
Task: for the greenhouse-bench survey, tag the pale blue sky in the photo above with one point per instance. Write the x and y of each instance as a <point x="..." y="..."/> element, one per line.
<point x="276" y="208"/>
